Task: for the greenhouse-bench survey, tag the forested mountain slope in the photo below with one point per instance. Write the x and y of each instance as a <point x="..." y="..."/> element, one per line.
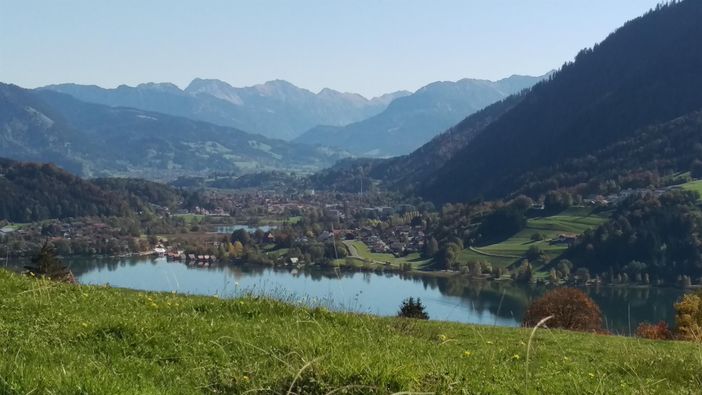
<point x="645" y="73"/>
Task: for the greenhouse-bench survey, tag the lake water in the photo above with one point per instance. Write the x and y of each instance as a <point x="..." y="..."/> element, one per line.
<point x="231" y="228"/>
<point x="449" y="299"/>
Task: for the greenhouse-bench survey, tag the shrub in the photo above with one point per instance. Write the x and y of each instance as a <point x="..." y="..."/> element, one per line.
<point x="571" y="309"/>
<point x="688" y="317"/>
<point x="659" y="331"/>
<point x="46" y="264"/>
<point x="412" y="309"/>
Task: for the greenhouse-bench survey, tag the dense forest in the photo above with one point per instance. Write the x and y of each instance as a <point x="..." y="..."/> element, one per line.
<point x="649" y="235"/>
<point x="32" y="192"/>
<point x="645" y="73"/>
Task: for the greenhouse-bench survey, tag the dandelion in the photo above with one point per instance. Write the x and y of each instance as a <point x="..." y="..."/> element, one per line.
<point x="466" y="354"/>
<point x="85" y="325"/>
<point x="516" y="357"/>
<point x="245" y="378"/>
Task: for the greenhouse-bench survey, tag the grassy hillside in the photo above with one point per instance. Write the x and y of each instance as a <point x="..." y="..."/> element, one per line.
<point x="574" y="220"/>
<point x="91" y="340"/>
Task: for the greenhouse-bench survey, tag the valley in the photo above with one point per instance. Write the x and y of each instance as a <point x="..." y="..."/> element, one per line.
<point x="455" y="228"/>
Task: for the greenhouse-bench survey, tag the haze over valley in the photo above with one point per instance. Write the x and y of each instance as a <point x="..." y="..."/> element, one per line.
<point x="452" y="197"/>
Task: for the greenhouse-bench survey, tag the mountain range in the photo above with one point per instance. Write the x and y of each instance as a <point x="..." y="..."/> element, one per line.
<point x="94" y="140"/>
<point x="412" y="120"/>
<point x="275" y="109"/>
<point x="633" y="87"/>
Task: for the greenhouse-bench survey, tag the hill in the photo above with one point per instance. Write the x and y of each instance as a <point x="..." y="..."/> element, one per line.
<point x="411" y="121"/>
<point x="276" y="109"/>
<point x="35" y="191"/>
<point x="105" y="340"/>
<point x="643" y="74"/>
<point x="95" y="140"/>
<point x="32" y="192"/>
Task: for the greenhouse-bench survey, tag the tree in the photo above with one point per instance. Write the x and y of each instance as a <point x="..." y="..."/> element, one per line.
<point x="571" y="309"/>
<point x="242" y="236"/>
<point x="696" y="169"/>
<point x="413" y="309"/>
<point x="688" y="316"/>
<point x="534" y="253"/>
<point x="430" y="248"/>
<point x="46" y="264"/>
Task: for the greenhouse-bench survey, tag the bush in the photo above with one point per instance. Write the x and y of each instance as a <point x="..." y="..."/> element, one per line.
<point x="659" y="331"/>
<point x="571" y="309"/>
<point x="688" y="317"/>
<point x="413" y="309"/>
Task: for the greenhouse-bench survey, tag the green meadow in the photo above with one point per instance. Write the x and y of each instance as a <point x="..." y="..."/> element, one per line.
<point x="66" y="339"/>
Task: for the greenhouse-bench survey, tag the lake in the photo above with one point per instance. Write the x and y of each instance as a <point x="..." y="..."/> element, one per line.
<point x="232" y="228"/>
<point x="448" y="299"/>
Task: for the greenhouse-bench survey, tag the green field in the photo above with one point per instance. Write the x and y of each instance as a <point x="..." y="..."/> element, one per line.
<point x="693" y="186"/>
<point x="364" y="253"/>
<point x="574" y="220"/>
<point x="61" y="339"/>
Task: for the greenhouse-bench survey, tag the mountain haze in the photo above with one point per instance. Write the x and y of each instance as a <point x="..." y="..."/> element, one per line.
<point x="411" y="121"/>
<point x="95" y="140"/>
<point x="276" y="109"/>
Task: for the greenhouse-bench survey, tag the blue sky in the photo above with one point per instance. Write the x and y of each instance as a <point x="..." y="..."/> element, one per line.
<point x="365" y="46"/>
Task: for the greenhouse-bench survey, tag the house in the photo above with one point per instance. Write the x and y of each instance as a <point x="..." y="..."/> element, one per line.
<point x="565" y="238"/>
<point x="6" y="230"/>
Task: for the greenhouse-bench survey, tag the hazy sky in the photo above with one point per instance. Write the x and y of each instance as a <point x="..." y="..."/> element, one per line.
<point x="365" y="46"/>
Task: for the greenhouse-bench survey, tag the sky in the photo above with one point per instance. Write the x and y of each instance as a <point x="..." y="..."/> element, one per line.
<point x="364" y="46"/>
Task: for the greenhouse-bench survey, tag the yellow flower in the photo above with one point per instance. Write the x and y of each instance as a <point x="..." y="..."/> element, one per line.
<point x="591" y="375"/>
<point x="516" y="357"/>
<point x="245" y="378"/>
<point x="85" y="325"/>
<point x="466" y="353"/>
<point x="489" y="342"/>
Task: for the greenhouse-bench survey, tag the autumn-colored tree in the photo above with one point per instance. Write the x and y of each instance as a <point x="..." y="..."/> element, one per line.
<point x="688" y="317"/>
<point x="659" y="331"/>
<point x="571" y="309"/>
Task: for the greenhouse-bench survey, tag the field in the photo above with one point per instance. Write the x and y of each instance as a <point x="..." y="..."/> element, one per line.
<point x="693" y="186"/>
<point x="361" y="250"/>
<point x="575" y="220"/>
<point x="96" y="340"/>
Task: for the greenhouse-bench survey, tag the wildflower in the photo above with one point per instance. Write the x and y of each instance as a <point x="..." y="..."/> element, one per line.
<point x="466" y="354"/>
<point x="154" y="305"/>
<point x="245" y="378"/>
<point x="85" y="325"/>
<point x="489" y="342"/>
<point x="443" y="338"/>
<point x="516" y="357"/>
<point x="591" y="375"/>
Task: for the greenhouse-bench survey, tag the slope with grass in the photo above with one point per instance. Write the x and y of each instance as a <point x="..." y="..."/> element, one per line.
<point x="358" y="249"/>
<point x="574" y="220"/>
<point x="80" y="339"/>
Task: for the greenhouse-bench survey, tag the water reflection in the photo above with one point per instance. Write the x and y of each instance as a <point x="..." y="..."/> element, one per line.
<point x="450" y="298"/>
